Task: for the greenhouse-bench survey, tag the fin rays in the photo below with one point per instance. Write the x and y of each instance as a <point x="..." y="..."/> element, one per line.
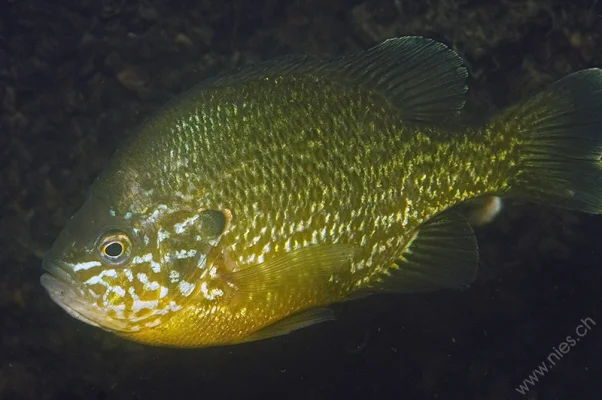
<point x="424" y="79"/>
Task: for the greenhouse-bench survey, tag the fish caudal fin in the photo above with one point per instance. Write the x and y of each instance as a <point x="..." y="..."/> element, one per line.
<point x="559" y="143"/>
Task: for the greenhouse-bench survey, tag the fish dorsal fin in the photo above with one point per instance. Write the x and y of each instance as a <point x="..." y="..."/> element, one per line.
<point x="424" y="79"/>
<point x="292" y="323"/>
<point x="443" y="254"/>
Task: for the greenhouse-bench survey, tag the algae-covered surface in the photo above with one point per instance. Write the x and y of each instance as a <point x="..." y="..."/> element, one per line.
<point x="77" y="76"/>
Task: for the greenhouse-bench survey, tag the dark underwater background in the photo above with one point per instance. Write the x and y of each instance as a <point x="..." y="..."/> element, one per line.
<point x="77" y="76"/>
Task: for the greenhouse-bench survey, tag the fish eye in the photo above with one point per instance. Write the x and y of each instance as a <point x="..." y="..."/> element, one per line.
<point x="114" y="248"/>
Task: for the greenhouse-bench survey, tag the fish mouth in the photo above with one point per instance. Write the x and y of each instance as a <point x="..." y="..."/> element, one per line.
<point x="65" y="292"/>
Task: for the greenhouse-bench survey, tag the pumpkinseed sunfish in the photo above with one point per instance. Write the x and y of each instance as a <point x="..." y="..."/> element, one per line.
<point x="244" y="208"/>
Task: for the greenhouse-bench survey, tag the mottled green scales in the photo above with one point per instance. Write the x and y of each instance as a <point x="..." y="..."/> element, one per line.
<point x="248" y="205"/>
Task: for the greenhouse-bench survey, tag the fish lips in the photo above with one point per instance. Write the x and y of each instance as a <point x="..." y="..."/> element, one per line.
<point x="66" y="293"/>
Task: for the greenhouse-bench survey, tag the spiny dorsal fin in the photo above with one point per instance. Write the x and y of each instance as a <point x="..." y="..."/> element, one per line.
<point x="443" y="254"/>
<point x="423" y="78"/>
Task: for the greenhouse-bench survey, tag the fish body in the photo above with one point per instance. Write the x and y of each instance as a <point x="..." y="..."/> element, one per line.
<point x="244" y="208"/>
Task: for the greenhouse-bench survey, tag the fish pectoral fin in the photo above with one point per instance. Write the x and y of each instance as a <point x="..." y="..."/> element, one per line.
<point x="443" y="254"/>
<point x="304" y="269"/>
<point x="292" y="323"/>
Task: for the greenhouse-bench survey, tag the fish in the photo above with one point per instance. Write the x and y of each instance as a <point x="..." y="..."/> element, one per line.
<point x="247" y="207"/>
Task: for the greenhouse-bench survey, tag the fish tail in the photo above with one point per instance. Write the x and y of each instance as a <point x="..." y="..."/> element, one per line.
<point x="557" y="141"/>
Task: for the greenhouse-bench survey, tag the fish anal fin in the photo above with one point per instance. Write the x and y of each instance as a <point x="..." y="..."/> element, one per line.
<point x="442" y="255"/>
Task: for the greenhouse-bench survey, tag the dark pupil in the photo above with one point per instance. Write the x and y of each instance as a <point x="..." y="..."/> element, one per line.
<point x="114" y="249"/>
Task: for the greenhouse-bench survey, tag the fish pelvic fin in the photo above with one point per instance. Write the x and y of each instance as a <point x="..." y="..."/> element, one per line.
<point x="558" y="140"/>
<point x="291" y="323"/>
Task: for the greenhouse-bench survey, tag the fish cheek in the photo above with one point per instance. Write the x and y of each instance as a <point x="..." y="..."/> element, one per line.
<point x="184" y="274"/>
<point x="201" y="277"/>
<point x="189" y="252"/>
<point x="98" y="290"/>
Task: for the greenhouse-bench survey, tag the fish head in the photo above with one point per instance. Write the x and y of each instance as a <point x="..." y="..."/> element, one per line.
<point x="129" y="271"/>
